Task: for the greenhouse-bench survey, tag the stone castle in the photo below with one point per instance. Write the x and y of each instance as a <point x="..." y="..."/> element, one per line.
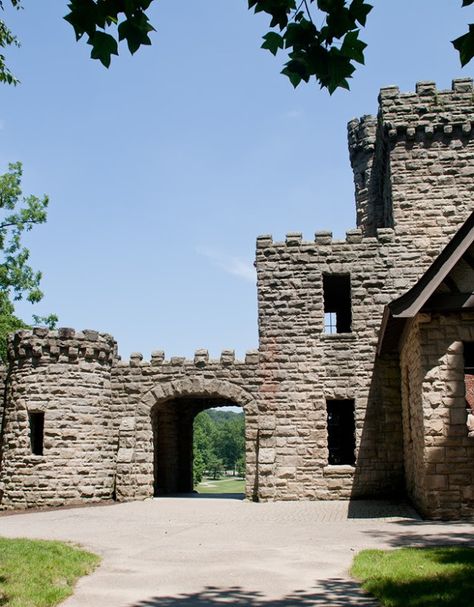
<point x="363" y="383"/>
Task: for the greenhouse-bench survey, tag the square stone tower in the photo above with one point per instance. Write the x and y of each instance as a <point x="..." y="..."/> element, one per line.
<point x="321" y="303"/>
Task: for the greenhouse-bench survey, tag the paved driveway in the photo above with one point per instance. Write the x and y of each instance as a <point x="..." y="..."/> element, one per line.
<point x="206" y="552"/>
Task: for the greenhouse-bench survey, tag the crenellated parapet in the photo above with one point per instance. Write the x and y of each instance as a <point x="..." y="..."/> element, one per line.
<point x="65" y="345"/>
<point x="428" y="110"/>
<point x="420" y="142"/>
<point x="323" y="238"/>
<point x="361" y="135"/>
<point x="200" y="360"/>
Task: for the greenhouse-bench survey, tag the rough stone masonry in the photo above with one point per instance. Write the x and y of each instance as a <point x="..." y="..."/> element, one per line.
<point x="324" y="415"/>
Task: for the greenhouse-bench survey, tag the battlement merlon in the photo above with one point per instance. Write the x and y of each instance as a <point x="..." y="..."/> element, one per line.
<point x="64" y="345"/>
<point x="323" y="238"/>
<point x="201" y="360"/>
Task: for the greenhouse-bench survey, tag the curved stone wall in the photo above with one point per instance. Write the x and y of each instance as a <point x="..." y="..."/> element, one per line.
<point x="66" y="376"/>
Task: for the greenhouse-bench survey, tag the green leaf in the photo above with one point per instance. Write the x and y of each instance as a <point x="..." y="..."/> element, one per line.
<point x="273" y="42"/>
<point x="353" y="48"/>
<point x="360" y="9"/>
<point x="300" y="35"/>
<point x="296" y="69"/>
<point x="135" y="31"/>
<point x="82" y="17"/>
<point x="279" y="10"/>
<point x="467" y="2"/>
<point x="465" y="45"/>
<point x="325" y="5"/>
<point x="294" y="78"/>
<point x="103" y="46"/>
<point x="338" y="69"/>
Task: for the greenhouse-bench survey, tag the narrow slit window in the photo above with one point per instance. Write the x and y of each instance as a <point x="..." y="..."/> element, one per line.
<point x="469" y="374"/>
<point x="341" y="432"/>
<point x="337" y="303"/>
<point x="36" y="432"/>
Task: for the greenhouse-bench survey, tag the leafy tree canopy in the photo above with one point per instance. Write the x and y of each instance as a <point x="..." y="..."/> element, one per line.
<point x="320" y="37"/>
<point x="8" y="323"/>
<point x="18" y="214"/>
<point x="218" y="443"/>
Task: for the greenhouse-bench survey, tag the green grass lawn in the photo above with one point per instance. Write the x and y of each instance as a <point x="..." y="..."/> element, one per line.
<point x="37" y="573"/>
<point x="226" y="485"/>
<point x="418" y="577"/>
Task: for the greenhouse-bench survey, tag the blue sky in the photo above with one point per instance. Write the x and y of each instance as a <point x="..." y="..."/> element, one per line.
<point x="164" y="169"/>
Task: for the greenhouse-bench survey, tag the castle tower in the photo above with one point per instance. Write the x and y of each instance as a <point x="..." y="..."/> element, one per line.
<point x="57" y="441"/>
<point x="337" y="426"/>
<point x="414" y="170"/>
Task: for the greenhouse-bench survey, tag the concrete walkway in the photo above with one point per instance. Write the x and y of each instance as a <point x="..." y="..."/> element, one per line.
<point x="205" y="552"/>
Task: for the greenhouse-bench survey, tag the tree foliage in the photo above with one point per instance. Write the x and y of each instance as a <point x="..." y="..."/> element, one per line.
<point x="7" y="38"/>
<point x="18" y="214"/>
<point x="321" y="38"/>
<point x="8" y="323"/>
<point x="328" y="52"/>
<point x="465" y="44"/>
<point x="218" y="443"/>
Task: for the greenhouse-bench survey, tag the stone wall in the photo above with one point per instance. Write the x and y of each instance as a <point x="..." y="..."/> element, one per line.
<point x="301" y="367"/>
<point x="439" y="452"/>
<point x="124" y="429"/>
<point x="414" y="184"/>
<point x="412" y="412"/>
<point x="100" y="432"/>
<point x="66" y="375"/>
<point x="143" y="389"/>
<point x="414" y="170"/>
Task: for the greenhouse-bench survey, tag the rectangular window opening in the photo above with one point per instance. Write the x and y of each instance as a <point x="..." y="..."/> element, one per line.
<point x="341" y="432"/>
<point x="469" y="374"/>
<point x="36" y="432"/>
<point x="337" y="303"/>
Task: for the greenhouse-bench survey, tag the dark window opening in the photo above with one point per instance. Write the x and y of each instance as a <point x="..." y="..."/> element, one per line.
<point x="341" y="432"/>
<point x="408" y="404"/>
<point x="469" y="373"/>
<point x="36" y="432"/>
<point x="337" y="303"/>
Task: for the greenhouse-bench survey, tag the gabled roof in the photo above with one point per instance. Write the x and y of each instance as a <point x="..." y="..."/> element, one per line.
<point x="409" y="304"/>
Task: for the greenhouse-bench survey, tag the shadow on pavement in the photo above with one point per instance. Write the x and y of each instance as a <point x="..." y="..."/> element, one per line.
<point x="367" y="509"/>
<point x="425" y="533"/>
<point x="330" y="593"/>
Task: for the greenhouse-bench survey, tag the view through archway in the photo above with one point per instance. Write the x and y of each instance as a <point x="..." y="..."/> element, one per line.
<point x="219" y="451"/>
<point x="199" y="446"/>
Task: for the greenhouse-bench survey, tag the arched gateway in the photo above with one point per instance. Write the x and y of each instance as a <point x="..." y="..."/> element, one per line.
<point x="155" y="446"/>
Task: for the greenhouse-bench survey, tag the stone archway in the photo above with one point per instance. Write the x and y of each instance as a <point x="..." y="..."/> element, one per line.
<point x="137" y="463"/>
<point x="173" y="429"/>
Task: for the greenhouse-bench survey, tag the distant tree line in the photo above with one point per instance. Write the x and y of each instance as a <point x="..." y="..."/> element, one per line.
<point x="218" y="444"/>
